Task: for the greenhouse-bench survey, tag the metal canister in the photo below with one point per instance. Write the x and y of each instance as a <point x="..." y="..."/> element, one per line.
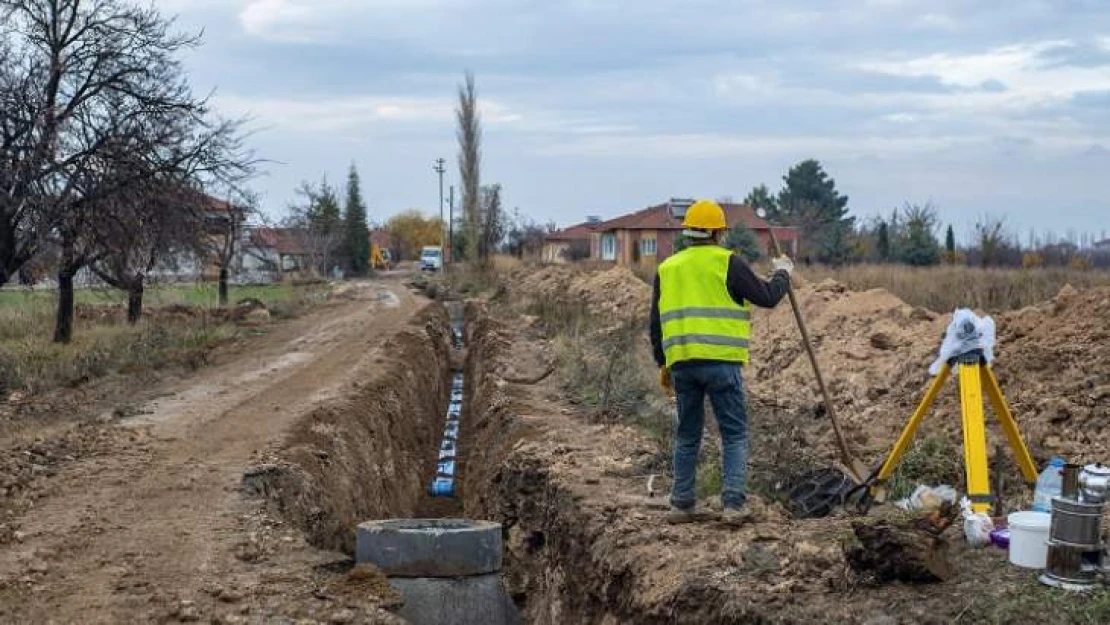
<point x="1069" y="567"/>
<point x="1076" y="524"/>
<point x="1094" y="482"/>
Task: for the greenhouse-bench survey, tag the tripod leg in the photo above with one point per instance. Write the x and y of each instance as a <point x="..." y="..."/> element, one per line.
<point x="1009" y="424"/>
<point x="906" y="437"/>
<point x="975" y="438"/>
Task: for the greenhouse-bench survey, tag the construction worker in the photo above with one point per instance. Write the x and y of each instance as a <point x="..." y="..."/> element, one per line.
<point x="700" y="333"/>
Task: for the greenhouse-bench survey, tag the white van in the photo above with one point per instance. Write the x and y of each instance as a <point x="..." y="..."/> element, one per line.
<point x="431" y="258"/>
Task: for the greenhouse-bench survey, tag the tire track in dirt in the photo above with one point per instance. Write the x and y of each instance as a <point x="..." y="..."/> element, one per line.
<point x="132" y="535"/>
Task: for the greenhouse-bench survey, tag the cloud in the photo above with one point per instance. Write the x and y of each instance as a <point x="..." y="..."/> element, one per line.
<point x="900" y="118"/>
<point x="664" y="96"/>
<point x="281" y="19"/>
<point x="937" y="21"/>
<point x="704" y="146"/>
<point x="1011" y="80"/>
<point x="341" y="115"/>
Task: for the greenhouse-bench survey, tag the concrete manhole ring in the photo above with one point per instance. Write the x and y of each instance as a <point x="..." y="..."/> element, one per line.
<point x="430" y="547"/>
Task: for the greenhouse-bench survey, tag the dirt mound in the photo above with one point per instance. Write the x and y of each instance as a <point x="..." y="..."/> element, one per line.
<point x="586" y="543"/>
<point x="1052" y="360"/>
<point x="604" y="292"/>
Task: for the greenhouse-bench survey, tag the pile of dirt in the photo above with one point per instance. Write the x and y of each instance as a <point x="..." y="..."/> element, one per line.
<point x="1052" y="360"/>
<point x="586" y="542"/>
<point x="604" y="292"/>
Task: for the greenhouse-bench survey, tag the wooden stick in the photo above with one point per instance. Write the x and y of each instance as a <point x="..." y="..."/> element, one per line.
<point x="859" y="473"/>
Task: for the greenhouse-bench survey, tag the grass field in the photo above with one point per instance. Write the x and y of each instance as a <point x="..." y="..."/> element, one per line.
<point x="945" y="288"/>
<point x="206" y="295"/>
<point x="102" y="344"/>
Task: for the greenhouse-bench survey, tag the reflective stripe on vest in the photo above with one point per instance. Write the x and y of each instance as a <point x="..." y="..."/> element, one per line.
<point x="700" y="319"/>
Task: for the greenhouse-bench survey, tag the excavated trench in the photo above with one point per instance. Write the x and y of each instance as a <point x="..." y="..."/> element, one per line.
<point x="378" y="450"/>
<point x="374" y="453"/>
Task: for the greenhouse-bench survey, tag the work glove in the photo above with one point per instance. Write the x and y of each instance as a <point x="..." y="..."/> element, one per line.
<point x="783" y="263"/>
<point x="665" y="381"/>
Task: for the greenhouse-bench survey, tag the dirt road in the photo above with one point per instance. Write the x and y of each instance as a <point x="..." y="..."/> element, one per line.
<point x="156" y="528"/>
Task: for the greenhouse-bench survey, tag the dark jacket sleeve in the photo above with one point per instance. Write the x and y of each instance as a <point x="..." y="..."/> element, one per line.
<point x="743" y="284"/>
<point x="656" y="327"/>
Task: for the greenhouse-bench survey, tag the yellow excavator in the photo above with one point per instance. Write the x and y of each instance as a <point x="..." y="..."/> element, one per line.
<point x="380" y="259"/>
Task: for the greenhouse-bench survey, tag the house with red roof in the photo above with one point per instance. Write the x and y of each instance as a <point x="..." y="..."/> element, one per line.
<point x="571" y="243"/>
<point x="275" y="251"/>
<point x="648" y="236"/>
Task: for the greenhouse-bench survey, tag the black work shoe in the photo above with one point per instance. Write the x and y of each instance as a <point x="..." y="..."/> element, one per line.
<point x="737" y="516"/>
<point x="693" y="514"/>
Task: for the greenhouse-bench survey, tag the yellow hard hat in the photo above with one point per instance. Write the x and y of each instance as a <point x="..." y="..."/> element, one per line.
<point x="705" y="215"/>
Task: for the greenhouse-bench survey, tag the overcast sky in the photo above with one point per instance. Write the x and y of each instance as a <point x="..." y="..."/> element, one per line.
<point x="602" y="107"/>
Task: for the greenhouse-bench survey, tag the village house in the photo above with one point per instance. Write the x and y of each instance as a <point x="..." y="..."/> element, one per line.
<point x="571" y="243"/>
<point x="647" y="237"/>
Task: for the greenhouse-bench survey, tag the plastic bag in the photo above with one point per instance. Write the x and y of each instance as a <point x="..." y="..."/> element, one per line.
<point x="927" y="498"/>
<point x="967" y="332"/>
<point x="977" y="525"/>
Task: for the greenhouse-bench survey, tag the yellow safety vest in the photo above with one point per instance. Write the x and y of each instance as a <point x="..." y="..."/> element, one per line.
<point x="700" y="319"/>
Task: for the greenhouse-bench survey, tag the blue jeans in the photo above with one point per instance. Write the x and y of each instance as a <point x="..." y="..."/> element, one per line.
<point x="722" y="382"/>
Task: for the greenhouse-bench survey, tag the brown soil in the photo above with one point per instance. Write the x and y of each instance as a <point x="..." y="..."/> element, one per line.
<point x="142" y="519"/>
<point x="231" y="496"/>
<point x="587" y="545"/>
<point x="1052" y="360"/>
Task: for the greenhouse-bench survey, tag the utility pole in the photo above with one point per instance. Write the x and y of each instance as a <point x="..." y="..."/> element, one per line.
<point x="451" y="226"/>
<point x="440" y="168"/>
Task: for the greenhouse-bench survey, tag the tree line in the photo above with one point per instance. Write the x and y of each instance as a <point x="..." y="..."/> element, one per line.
<point x="910" y="234"/>
<point x="108" y="161"/>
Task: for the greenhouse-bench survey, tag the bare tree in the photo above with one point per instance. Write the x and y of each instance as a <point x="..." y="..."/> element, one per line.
<point x="227" y="221"/>
<point x="21" y="214"/>
<point x="470" y="164"/>
<point x="991" y="236"/>
<point x="139" y="230"/>
<point x="96" y="79"/>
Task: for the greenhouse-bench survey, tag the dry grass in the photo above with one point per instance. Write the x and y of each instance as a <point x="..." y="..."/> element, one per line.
<point x="34" y="364"/>
<point x="946" y="288"/>
<point x="103" y="343"/>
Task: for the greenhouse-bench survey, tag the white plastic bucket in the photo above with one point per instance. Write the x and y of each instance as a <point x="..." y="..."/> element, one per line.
<point x="1029" y="538"/>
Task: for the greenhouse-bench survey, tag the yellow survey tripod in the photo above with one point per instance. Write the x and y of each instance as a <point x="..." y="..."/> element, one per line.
<point x="976" y="379"/>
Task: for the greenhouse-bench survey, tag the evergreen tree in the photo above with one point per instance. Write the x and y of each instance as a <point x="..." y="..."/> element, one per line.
<point x="809" y="200"/>
<point x="356" y="236"/>
<point x="743" y="241"/>
<point x="883" y="242"/>
<point x="919" y="245"/>
<point x="835" y="246"/>
<point x="325" y="224"/>
<point x="323" y="212"/>
<point x="761" y="198"/>
<point x="950" y="245"/>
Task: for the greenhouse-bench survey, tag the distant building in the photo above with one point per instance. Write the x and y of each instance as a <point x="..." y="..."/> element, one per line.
<point x="274" y="250"/>
<point x="647" y="236"/>
<point x="572" y="243"/>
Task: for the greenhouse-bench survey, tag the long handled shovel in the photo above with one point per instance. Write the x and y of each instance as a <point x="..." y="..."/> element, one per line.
<point x="852" y="466"/>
